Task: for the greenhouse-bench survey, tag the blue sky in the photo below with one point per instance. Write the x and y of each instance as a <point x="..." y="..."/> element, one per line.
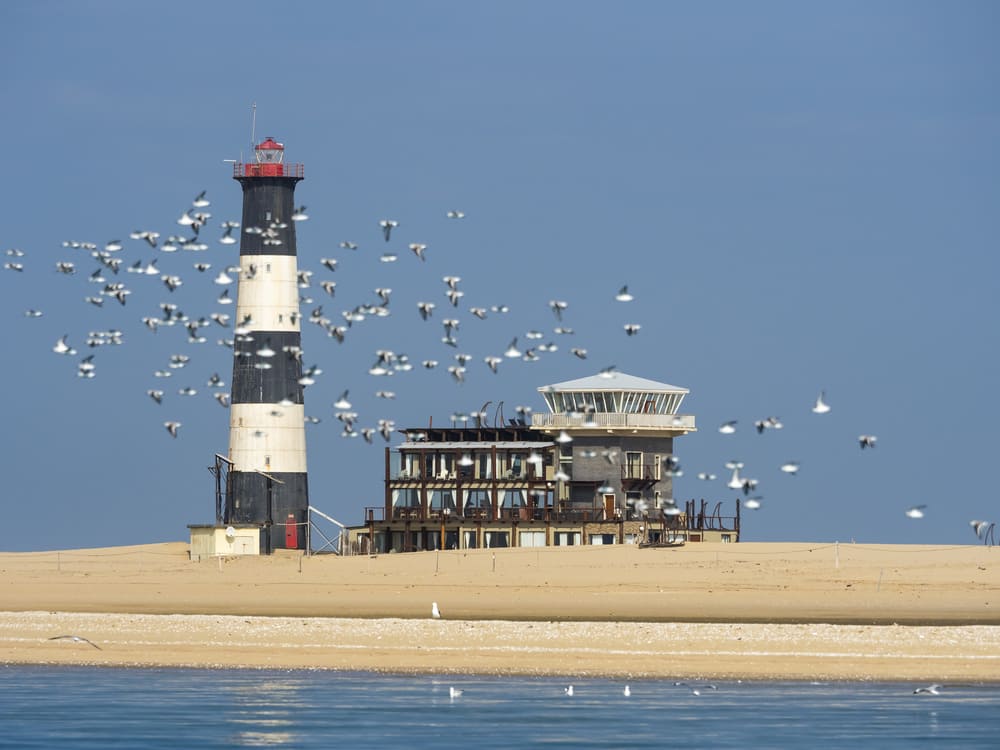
<point x="800" y="196"/>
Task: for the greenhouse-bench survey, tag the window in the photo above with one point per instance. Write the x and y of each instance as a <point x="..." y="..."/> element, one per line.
<point x="513" y="499"/>
<point x="496" y="539"/>
<point x="484" y="465"/>
<point x="531" y="539"/>
<point x="515" y="466"/>
<point x="633" y="465"/>
<point x="477" y="502"/>
<point x="406" y="498"/>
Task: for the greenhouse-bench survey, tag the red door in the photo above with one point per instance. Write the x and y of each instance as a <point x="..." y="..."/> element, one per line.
<point x="291" y="533"/>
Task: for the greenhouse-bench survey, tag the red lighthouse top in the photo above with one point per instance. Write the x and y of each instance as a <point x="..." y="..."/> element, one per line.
<point x="270" y="157"/>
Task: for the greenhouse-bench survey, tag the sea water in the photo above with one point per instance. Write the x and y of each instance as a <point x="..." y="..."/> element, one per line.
<point x="79" y="707"/>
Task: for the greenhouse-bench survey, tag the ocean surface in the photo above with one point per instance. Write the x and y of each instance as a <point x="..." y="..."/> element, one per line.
<point x="74" y="707"/>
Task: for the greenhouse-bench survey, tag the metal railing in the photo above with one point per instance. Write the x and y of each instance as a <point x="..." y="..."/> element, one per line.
<point x="614" y="420"/>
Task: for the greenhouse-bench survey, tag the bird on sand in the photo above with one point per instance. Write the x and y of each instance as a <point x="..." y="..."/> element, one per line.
<point x="435" y="612"/>
<point x="75" y="639"/>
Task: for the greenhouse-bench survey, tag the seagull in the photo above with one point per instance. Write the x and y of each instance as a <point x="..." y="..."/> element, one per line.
<point x="627" y="691"/>
<point x="157" y="396"/>
<point x="455" y="215"/>
<point x="418" y="250"/>
<point x="791" y="467"/>
<point x="200" y="201"/>
<point x="821" y="406"/>
<point x="579" y="352"/>
<point x="752" y="503"/>
<point x="330" y="263"/>
<point x="62" y="347"/>
<point x="980" y="527"/>
<point x="172" y="428"/>
<point x="387" y="226"/>
<point x="917" y="511"/>
<point x="632" y="328"/>
<point x="75" y="639"/>
<point x="929" y="690"/>
<point x="568" y="690"/>
<point x="867" y="441"/>
<point x="454" y="693"/>
<point x="300" y="214"/>
<point x="342" y="402"/>
<point x="435" y="612"/>
<point x="728" y="428"/>
<point x="623" y="295"/>
<point x="557" y="307"/>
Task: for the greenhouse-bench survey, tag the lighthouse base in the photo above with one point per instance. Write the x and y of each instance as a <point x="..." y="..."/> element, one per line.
<point x="277" y="502"/>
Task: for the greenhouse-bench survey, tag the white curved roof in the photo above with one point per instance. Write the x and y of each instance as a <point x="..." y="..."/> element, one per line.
<point x="616" y="381"/>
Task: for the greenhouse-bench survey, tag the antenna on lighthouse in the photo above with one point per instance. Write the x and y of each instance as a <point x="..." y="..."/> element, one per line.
<point x="253" y="125"/>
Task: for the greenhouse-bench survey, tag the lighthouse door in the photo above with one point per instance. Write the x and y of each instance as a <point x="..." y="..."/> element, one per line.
<point x="291" y="533"/>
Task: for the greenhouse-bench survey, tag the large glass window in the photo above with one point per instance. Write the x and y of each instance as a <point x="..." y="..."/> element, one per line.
<point x="406" y="498"/>
<point x="441" y="499"/>
<point x="477" y="501"/>
<point x="513" y="499"/>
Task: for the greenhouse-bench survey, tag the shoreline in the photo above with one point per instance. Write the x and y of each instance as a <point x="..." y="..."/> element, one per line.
<point x="739" y="611"/>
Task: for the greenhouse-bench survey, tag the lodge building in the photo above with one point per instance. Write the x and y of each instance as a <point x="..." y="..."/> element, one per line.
<point x="597" y="469"/>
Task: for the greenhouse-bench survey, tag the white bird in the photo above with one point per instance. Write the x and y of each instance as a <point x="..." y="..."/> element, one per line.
<point x="330" y="263"/>
<point x="623" y="295"/>
<point x="728" y="428"/>
<point x="387" y="226"/>
<point x="981" y="527"/>
<point x="75" y="639"/>
<point x="172" y="428"/>
<point x="790" y="467"/>
<point x="917" y="511"/>
<point x="62" y="347"/>
<point x="455" y="215"/>
<point x="867" y="441"/>
<point x="752" y="503"/>
<point x="435" y="612"/>
<point x="300" y="214"/>
<point x="342" y="402"/>
<point x="568" y="690"/>
<point x="627" y="691"/>
<point x="821" y="407"/>
<point x="454" y="693"/>
<point x="929" y="690"/>
<point x="632" y="328"/>
<point x="347" y="245"/>
<point x="200" y="201"/>
<point x="156" y="395"/>
<point x="418" y="249"/>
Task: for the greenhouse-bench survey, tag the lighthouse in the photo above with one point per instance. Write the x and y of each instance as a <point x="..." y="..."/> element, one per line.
<point x="267" y="484"/>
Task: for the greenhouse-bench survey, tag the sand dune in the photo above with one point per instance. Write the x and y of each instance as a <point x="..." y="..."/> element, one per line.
<point x="808" y="611"/>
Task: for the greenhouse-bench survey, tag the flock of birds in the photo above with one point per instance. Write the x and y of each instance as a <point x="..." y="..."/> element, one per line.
<point x="114" y="283"/>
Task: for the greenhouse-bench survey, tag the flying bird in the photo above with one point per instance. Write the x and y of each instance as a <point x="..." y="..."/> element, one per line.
<point x="172" y="428"/>
<point x="75" y="639"/>
<point x="387" y="226"/>
<point x="623" y="295"/>
<point x="867" y="441"/>
<point x="455" y="215"/>
<point x="917" y="511"/>
<point x="728" y="428"/>
<point x="821" y="407"/>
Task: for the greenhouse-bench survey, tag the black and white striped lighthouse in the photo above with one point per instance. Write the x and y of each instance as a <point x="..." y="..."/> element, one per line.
<point x="267" y="483"/>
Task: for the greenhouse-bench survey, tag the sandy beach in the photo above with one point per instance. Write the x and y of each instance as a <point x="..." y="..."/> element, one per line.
<point x="749" y="610"/>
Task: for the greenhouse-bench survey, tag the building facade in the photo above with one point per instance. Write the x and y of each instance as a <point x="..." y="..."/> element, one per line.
<point x="597" y="469"/>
